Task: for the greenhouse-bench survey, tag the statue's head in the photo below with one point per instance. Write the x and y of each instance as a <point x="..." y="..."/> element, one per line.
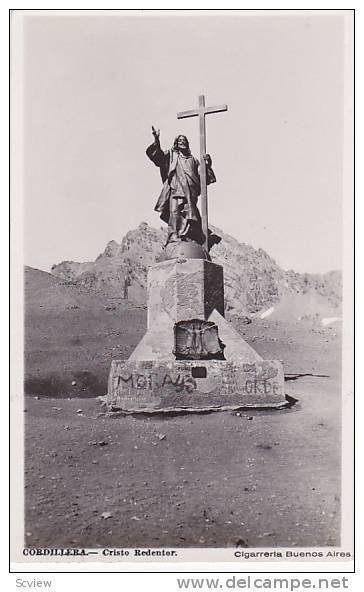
<point x="181" y="144"/>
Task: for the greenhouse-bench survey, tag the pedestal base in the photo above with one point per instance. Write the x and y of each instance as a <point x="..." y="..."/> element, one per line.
<point x="194" y="385"/>
<point x="186" y="290"/>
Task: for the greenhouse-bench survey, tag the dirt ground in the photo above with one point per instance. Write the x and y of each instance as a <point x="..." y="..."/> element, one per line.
<point x="249" y="478"/>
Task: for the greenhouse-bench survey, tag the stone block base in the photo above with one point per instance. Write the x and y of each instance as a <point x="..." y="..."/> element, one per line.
<point x="194" y="385"/>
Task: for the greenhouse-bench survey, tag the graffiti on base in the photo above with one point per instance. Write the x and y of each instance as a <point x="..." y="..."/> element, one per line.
<point x="137" y="381"/>
<point x="183" y="382"/>
<point x="180" y="382"/>
<point x="260" y="387"/>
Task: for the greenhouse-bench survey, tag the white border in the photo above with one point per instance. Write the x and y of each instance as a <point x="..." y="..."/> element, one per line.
<point x="17" y="377"/>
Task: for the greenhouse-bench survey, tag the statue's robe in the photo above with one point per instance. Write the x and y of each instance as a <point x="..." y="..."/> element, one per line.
<point x="177" y="202"/>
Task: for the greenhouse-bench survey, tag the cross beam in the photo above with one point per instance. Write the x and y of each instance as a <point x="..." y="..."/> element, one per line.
<point x="200" y="113"/>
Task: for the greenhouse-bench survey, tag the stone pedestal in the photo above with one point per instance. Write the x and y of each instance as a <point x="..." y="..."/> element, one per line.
<point x="178" y="290"/>
<point x="153" y="379"/>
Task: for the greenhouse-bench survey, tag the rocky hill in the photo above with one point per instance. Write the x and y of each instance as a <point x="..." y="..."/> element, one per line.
<point x="253" y="280"/>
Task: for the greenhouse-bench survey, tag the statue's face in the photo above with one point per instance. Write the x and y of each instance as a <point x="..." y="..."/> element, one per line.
<point x="182" y="143"/>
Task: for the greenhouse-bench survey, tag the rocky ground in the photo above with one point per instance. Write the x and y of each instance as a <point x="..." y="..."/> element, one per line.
<point x="249" y="478"/>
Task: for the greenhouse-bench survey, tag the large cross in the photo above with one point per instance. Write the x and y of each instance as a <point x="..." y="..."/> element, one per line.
<point x="201" y="112"/>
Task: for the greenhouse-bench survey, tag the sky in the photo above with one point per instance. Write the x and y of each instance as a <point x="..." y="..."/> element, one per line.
<point x="94" y="84"/>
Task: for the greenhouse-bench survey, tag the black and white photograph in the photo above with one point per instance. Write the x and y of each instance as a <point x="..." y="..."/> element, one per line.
<point x="182" y="219"/>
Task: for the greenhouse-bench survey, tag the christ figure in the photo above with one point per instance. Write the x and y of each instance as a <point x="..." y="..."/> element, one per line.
<point x="177" y="202"/>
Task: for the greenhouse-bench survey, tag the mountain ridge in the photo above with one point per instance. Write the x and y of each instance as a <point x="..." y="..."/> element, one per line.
<point x="253" y="280"/>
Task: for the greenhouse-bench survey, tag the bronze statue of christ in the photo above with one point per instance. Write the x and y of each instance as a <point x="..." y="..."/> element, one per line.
<point x="177" y="202"/>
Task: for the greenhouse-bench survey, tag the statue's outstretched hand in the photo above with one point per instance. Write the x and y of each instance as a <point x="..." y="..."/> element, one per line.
<point x="208" y="160"/>
<point x="156" y="134"/>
